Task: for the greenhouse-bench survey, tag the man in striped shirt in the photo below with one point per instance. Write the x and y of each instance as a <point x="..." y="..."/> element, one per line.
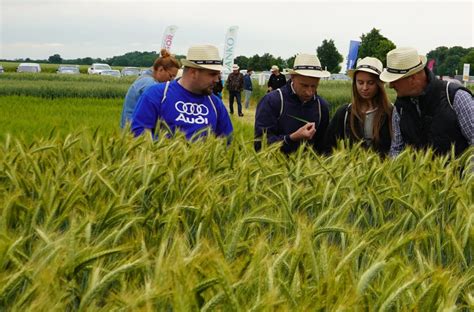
<point x="429" y="113"/>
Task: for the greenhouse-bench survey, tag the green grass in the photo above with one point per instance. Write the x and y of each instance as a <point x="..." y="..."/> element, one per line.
<point x="31" y="118"/>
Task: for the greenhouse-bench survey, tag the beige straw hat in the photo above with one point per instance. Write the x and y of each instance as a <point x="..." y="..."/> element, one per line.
<point x="401" y="63"/>
<point x="368" y="64"/>
<point x="203" y="56"/>
<point x="308" y="65"/>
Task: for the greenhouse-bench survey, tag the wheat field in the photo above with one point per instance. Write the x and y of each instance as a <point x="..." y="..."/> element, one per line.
<point x="96" y="220"/>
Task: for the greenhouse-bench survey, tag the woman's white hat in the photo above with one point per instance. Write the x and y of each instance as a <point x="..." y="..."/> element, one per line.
<point x="308" y="65"/>
<point x="401" y="63"/>
<point x="203" y="56"/>
<point x="367" y="64"/>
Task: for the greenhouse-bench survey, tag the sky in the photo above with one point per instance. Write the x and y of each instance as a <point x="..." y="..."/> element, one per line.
<point x="105" y="28"/>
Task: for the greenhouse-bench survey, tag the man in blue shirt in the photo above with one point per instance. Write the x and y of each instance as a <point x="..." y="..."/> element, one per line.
<point x="187" y="104"/>
<point x="294" y="113"/>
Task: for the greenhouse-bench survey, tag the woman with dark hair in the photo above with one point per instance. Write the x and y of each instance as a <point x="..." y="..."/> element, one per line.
<point x="368" y="117"/>
<point x="165" y="68"/>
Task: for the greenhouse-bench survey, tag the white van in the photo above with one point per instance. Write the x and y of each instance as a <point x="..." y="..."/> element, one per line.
<point x="28" y="68"/>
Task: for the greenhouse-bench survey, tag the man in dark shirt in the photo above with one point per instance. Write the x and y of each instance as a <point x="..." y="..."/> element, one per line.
<point x="277" y="80"/>
<point x="295" y="113"/>
<point x="235" y="85"/>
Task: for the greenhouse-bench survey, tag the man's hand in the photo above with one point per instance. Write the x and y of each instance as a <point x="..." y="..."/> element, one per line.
<point x="306" y="132"/>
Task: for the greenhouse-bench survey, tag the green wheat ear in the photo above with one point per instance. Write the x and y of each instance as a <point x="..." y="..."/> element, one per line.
<point x="300" y="119"/>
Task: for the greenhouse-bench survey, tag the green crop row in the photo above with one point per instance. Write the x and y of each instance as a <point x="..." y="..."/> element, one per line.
<point x="64" y="77"/>
<point x="46" y="67"/>
<point x="85" y="86"/>
<point x="59" y="89"/>
<point x="108" y="222"/>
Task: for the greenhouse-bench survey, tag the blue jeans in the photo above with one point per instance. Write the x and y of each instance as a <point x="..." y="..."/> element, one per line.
<point x="248" y="94"/>
<point x="235" y="94"/>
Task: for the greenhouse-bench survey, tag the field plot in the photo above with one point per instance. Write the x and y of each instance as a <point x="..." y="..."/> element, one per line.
<point x="92" y="219"/>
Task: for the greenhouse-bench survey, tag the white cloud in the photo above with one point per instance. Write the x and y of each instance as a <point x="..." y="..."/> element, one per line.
<point x="103" y="28"/>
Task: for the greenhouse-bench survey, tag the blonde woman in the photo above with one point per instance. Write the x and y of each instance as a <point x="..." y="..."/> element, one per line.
<point x="368" y="117"/>
<point x="165" y="68"/>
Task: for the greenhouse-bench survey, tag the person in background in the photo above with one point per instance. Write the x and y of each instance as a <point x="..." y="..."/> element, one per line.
<point x="295" y="113"/>
<point x="187" y="104"/>
<point x="367" y="118"/>
<point x="235" y="85"/>
<point x="248" y="88"/>
<point x="430" y="113"/>
<point x="218" y="87"/>
<point x="164" y="68"/>
<point x="277" y="80"/>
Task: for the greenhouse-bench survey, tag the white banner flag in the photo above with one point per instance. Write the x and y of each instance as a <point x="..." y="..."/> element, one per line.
<point x="229" y="48"/>
<point x="168" y="36"/>
<point x="465" y="72"/>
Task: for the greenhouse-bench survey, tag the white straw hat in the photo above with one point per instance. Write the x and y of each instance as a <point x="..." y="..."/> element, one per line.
<point x="368" y="64"/>
<point x="401" y="63"/>
<point x="308" y="65"/>
<point x="203" y="56"/>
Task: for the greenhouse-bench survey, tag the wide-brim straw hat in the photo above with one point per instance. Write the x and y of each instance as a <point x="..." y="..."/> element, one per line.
<point x="308" y="65"/>
<point x="367" y="64"/>
<point x="204" y="57"/>
<point x="401" y="63"/>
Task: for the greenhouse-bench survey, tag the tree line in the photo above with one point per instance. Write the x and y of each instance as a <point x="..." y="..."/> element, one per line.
<point x="447" y="61"/>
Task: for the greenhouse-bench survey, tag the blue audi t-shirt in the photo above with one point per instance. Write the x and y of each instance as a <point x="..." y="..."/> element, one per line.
<point x="180" y="109"/>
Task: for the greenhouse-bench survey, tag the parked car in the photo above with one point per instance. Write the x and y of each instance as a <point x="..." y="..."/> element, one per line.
<point x="68" y="69"/>
<point x="143" y="70"/>
<point x="97" y="68"/>
<point x="130" y="71"/>
<point x="339" y="76"/>
<point x="112" y="72"/>
<point x="28" y="68"/>
<point x="1" y="69"/>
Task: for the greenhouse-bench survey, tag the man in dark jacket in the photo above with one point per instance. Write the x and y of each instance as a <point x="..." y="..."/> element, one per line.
<point x="277" y="80"/>
<point x="430" y="113"/>
<point x="294" y="113"/>
<point x="235" y="85"/>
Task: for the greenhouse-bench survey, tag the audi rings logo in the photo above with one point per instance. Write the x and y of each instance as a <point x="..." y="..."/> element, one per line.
<point x="192" y="109"/>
